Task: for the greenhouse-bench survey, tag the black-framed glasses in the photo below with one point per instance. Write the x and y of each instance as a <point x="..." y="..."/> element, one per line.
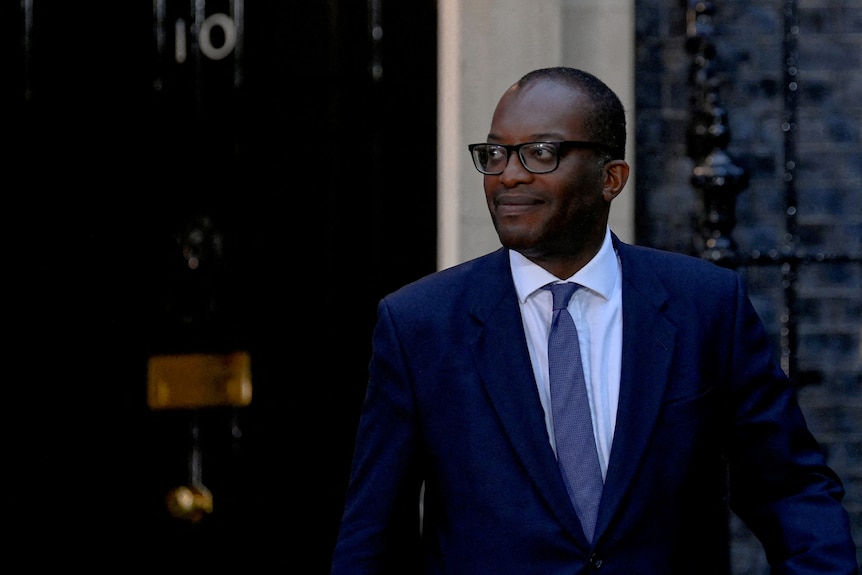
<point x="537" y="157"/>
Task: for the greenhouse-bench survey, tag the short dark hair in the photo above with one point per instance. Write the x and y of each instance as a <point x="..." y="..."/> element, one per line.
<point x="607" y="123"/>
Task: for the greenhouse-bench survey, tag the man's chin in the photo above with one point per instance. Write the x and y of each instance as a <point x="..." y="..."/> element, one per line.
<point x="519" y="242"/>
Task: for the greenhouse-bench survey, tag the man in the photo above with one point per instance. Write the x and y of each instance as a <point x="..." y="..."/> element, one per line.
<point x="688" y="407"/>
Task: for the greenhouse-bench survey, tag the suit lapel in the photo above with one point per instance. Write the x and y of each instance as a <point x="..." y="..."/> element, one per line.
<point x="503" y="362"/>
<point x="648" y="341"/>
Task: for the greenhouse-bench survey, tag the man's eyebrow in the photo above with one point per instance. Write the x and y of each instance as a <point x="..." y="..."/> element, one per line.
<point x="534" y="137"/>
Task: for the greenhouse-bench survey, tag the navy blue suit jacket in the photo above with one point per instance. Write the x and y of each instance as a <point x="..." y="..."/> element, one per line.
<point x="452" y="404"/>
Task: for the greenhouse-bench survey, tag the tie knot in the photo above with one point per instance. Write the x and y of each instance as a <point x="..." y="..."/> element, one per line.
<point x="562" y="293"/>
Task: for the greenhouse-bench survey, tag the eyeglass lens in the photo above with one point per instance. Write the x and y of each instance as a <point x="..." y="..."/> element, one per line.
<point x="537" y="157"/>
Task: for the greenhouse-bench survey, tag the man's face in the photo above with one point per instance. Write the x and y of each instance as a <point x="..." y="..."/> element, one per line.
<point x="560" y="213"/>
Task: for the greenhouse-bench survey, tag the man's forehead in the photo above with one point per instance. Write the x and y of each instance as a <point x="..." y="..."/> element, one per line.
<point x="540" y="108"/>
<point x="543" y="96"/>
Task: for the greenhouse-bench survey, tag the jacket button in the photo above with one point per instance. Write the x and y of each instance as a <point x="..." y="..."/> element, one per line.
<point x="595" y="561"/>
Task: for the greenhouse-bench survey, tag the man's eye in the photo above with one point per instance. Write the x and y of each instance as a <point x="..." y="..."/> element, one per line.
<point x="542" y="152"/>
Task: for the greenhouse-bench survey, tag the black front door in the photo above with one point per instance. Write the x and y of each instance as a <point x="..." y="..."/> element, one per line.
<point x="206" y="176"/>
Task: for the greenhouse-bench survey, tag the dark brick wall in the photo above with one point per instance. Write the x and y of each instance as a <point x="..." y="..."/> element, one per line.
<point x="827" y="180"/>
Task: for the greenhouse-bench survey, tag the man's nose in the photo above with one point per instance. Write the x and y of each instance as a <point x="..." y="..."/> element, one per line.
<point x="514" y="172"/>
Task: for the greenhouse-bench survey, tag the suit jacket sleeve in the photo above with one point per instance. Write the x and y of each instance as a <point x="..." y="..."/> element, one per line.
<point x="380" y="526"/>
<point x="780" y="485"/>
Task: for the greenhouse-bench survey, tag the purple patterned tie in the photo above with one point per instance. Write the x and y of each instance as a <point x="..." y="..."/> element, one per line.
<point x="573" y="425"/>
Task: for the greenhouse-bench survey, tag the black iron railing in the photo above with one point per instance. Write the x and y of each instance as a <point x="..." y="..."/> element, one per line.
<point x="718" y="179"/>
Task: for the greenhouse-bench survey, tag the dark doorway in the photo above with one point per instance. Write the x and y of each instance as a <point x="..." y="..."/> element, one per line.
<point x="305" y="173"/>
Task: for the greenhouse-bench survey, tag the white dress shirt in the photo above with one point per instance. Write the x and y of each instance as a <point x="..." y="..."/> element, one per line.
<point x="597" y="311"/>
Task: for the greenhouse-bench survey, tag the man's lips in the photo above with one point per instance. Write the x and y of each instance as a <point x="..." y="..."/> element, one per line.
<point x="512" y="205"/>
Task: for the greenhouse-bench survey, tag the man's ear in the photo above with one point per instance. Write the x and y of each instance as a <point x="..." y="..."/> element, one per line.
<point x="615" y="176"/>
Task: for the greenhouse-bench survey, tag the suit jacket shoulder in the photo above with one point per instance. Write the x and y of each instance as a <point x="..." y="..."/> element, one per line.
<point x="477" y="284"/>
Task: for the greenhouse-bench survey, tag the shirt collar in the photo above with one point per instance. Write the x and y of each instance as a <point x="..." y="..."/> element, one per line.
<point x="599" y="275"/>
